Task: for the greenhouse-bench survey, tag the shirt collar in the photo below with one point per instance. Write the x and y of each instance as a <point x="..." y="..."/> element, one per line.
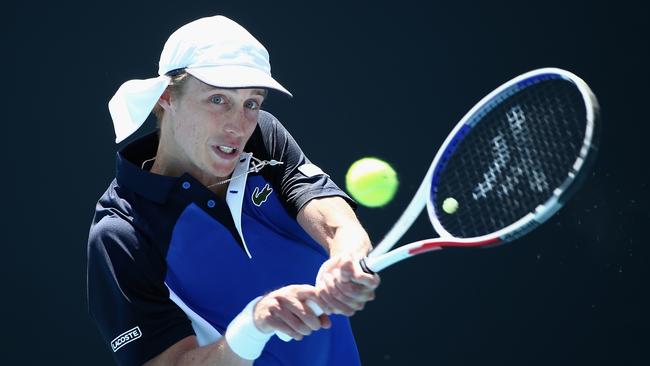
<point x="130" y="174"/>
<point x="158" y="188"/>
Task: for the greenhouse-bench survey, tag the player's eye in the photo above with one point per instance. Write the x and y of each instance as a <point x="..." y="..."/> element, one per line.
<point x="217" y="99"/>
<point x="252" y="104"/>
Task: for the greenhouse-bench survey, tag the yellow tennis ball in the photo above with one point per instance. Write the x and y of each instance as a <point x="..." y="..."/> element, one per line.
<point x="450" y="205"/>
<point x="372" y="182"/>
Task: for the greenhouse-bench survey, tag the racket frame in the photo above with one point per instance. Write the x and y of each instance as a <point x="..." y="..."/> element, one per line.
<point x="380" y="258"/>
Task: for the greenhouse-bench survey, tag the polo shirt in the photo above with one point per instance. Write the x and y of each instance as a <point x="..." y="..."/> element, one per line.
<point x="167" y="258"/>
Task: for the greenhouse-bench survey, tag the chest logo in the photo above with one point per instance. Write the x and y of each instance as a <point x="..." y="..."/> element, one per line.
<point x="260" y="196"/>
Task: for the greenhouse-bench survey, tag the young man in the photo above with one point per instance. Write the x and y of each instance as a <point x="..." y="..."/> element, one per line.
<point x="207" y="241"/>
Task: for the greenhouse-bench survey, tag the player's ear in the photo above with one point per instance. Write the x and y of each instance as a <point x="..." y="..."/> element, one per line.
<point x="165" y="100"/>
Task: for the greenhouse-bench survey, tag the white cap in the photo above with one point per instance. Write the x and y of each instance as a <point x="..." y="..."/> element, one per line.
<point x="215" y="50"/>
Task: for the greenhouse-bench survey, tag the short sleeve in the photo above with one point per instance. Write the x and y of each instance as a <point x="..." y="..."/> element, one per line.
<point x="298" y="179"/>
<point x="127" y="296"/>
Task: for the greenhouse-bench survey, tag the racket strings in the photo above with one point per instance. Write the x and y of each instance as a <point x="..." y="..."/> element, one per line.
<point x="520" y="149"/>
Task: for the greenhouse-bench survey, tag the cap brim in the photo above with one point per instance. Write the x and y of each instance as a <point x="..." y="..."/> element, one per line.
<point x="236" y="77"/>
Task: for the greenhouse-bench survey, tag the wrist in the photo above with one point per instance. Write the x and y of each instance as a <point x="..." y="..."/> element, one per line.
<point x="244" y="337"/>
<point x="355" y="244"/>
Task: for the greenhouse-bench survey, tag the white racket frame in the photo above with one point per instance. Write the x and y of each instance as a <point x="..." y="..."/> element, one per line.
<point x="380" y="258"/>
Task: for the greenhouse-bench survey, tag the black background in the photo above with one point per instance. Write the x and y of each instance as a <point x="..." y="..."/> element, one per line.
<point x="386" y="79"/>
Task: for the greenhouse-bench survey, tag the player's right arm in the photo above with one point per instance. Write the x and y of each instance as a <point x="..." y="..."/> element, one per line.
<point x="188" y="352"/>
<point x="131" y="304"/>
<point x="282" y="310"/>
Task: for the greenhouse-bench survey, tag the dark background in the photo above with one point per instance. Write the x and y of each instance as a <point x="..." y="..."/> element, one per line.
<point x="387" y="79"/>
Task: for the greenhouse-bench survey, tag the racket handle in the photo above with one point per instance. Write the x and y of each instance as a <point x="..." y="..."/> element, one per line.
<point x="314" y="307"/>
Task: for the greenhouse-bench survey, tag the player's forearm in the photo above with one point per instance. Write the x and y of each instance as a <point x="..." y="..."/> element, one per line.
<point x="242" y="343"/>
<point x="343" y="285"/>
<point x="187" y="353"/>
<point x="333" y="224"/>
<point x="217" y="353"/>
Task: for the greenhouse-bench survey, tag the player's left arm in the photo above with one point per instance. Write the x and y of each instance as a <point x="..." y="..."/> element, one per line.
<point x="344" y="286"/>
<point x="324" y="211"/>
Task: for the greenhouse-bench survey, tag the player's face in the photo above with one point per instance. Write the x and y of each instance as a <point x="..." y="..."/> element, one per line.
<point x="209" y="127"/>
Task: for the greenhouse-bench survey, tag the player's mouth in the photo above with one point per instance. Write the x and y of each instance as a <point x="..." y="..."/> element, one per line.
<point x="225" y="151"/>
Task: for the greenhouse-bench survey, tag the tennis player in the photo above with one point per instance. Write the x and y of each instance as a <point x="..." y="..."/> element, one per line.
<point x="216" y="225"/>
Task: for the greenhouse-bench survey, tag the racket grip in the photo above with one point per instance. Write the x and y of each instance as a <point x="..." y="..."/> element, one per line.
<point x="314" y="307"/>
<point x="365" y="267"/>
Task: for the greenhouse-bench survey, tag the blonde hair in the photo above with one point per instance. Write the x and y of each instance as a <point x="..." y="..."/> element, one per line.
<point x="175" y="88"/>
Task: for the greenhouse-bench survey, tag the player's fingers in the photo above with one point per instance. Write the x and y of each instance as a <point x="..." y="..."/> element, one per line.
<point x="326" y="302"/>
<point x="281" y="326"/>
<point x="298" y="315"/>
<point x="342" y="303"/>
<point x="311" y="294"/>
<point x="284" y="321"/>
<point x="308" y="317"/>
<point x="368" y="280"/>
<point x="356" y="291"/>
<point x="347" y="268"/>
<point x="351" y="270"/>
<point x="350" y="289"/>
<point x="354" y="295"/>
<point x="335" y="288"/>
<point x="296" y="323"/>
<point x="337" y="306"/>
<point x="301" y="309"/>
<point x="313" y="299"/>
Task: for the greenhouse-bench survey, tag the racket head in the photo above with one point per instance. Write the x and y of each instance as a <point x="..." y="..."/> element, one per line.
<point x="514" y="159"/>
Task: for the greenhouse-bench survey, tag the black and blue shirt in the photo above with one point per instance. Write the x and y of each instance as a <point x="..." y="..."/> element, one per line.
<point x="167" y="258"/>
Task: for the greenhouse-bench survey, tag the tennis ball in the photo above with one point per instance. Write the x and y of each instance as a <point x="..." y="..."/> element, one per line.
<point x="371" y="181"/>
<point x="450" y="205"/>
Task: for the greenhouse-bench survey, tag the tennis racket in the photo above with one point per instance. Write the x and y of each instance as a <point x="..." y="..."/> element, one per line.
<point x="510" y="163"/>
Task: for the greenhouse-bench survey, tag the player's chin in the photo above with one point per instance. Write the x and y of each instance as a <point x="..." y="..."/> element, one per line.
<point x="221" y="169"/>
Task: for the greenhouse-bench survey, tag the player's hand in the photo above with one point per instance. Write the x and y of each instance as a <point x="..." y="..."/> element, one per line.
<point x="286" y="310"/>
<point x="344" y="286"/>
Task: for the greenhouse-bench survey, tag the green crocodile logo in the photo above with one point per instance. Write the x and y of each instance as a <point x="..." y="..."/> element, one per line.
<point x="260" y="197"/>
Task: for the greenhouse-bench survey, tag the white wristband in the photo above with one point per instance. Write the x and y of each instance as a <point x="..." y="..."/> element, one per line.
<point x="242" y="335"/>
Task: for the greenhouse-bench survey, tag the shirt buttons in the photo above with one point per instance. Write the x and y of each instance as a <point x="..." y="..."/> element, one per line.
<point x="211" y="203"/>
<point x="186" y="185"/>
